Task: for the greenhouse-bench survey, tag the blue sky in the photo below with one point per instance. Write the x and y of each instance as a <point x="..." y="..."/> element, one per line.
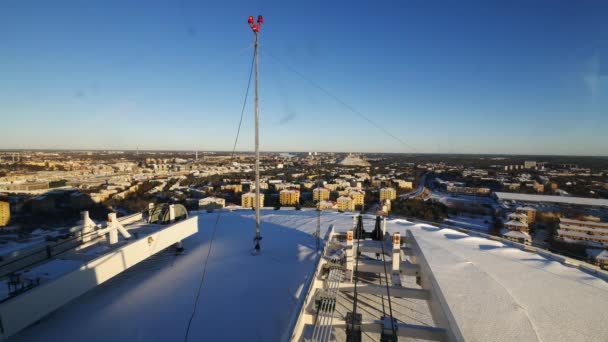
<point x="447" y="76"/>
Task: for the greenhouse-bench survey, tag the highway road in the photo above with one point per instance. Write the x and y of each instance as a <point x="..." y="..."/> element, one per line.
<point x="419" y="190"/>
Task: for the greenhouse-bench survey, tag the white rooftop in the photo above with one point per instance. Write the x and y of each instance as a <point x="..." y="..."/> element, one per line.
<point x="495" y="292"/>
<point x="553" y="199"/>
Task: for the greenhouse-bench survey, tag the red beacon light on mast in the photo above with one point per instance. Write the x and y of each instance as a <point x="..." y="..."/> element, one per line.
<point x="255" y="27"/>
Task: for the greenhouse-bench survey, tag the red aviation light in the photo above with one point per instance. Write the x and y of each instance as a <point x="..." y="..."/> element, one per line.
<point x="255" y="27"/>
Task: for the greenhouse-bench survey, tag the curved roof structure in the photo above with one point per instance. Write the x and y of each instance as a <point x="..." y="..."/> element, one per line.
<point x="495" y="292"/>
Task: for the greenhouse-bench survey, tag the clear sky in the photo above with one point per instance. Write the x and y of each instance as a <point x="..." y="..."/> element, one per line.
<point x="444" y="76"/>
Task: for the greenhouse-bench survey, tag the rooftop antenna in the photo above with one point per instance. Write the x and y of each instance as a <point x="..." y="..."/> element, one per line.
<point x="255" y="27"/>
<point x="319" y="199"/>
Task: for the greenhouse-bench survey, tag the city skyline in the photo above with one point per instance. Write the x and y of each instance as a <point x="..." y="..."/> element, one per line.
<point x="472" y="77"/>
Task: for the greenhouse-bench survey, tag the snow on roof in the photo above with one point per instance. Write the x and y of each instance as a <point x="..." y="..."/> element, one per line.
<point x="498" y="293"/>
<point x="554" y="199"/>
<point x="586" y="223"/>
<point x="516" y="216"/>
<point x="515" y="223"/>
<point x="52" y="269"/>
<point x="598" y="254"/>
<point x="495" y="292"/>
<point x="583" y="228"/>
<point x="570" y="233"/>
<point x="516" y="234"/>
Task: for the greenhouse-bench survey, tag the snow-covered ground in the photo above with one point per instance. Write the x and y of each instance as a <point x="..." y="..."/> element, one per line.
<point x="495" y="292"/>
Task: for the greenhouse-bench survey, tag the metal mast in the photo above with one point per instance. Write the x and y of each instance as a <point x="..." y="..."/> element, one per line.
<point x="256" y="30"/>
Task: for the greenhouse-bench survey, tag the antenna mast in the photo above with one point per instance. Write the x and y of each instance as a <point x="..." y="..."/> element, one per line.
<point x="255" y="27"/>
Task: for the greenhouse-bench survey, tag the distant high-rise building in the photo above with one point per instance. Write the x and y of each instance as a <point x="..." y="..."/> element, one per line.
<point x="289" y="197"/>
<point x="346" y="203"/>
<point x="320" y="194"/>
<point x="358" y="196"/>
<point x="388" y="193"/>
<point x="248" y="200"/>
<point x="5" y="213"/>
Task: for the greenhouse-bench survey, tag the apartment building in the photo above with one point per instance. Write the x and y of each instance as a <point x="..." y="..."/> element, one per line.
<point x="286" y="186"/>
<point x="320" y="194"/>
<point x="388" y="194"/>
<point x="236" y="188"/>
<point x="248" y="200"/>
<point x="289" y="197"/>
<point x="403" y="184"/>
<point x="529" y="212"/>
<point x="345" y="203"/>
<point x="358" y="196"/>
<point x="5" y="213"/>
<point x="588" y="232"/>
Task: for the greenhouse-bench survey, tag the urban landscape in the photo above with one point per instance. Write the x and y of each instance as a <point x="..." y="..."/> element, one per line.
<point x="556" y="203"/>
<point x="304" y="171"/>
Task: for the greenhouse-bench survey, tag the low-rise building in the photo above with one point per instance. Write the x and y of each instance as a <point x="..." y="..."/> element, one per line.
<point x="236" y="188"/>
<point x="388" y="193"/>
<point x="529" y="212"/>
<point x="469" y="190"/>
<point x="599" y="257"/>
<point x="515" y="225"/>
<point x="286" y="186"/>
<point x="517" y="236"/>
<point x="588" y="232"/>
<point x="403" y="184"/>
<point x="211" y="202"/>
<point x="289" y="197"/>
<point x="327" y="205"/>
<point x="248" y="200"/>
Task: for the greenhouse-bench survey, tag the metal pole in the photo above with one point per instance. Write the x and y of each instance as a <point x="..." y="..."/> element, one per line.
<point x="319" y="226"/>
<point x="319" y="199"/>
<point x="257" y="151"/>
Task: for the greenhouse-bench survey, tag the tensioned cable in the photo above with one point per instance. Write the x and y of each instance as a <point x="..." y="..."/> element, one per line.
<point x="356" y="255"/>
<point x="388" y="292"/>
<point x="200" y="286"/>
<point x="340" y="101"/>
<point x="238" y="131"/>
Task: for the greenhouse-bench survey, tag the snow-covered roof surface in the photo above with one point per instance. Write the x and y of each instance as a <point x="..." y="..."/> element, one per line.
<point x="555" y="199"/>
<point x="586" y="223"/>
<point x="603" y="230"/>
<point x="581" y="235"/>
<point x="495" y="292"/>
<point x="515" y="223"/>
<point x="515" y="234"/>
<point x="599" y="254"/>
